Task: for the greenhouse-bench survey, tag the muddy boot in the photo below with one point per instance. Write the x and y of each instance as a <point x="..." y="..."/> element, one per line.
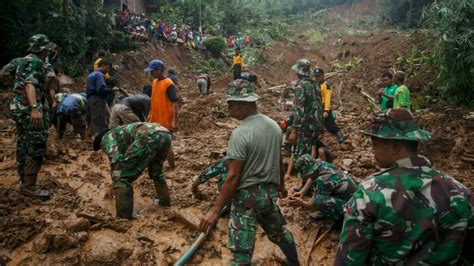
<point x="27" y="188"/>
<point x="162" y="193"/>
<point x="291" y="254"/>
<point x="124" y="202"/>
<point x="340" y="137"/>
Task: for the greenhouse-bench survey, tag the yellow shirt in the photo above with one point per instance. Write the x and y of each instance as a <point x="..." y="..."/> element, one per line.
<point x="96" y="67"/>
<point x="238" y="60"/>
<point x="326" y="96"/>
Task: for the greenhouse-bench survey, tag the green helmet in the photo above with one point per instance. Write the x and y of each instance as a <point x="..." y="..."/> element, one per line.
<point x="302" y="67"/>
<point x="306" y="165"/>
<point x="396" y="124"/>
<point x="240" y="90"/>
<point x="39" y="42"/>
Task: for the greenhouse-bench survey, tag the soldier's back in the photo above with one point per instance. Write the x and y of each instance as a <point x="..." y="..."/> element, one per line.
<point x="418" y="213"/>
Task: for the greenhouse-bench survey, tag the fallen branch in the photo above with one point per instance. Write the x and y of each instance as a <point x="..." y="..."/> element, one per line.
<point x="319" y="240"/>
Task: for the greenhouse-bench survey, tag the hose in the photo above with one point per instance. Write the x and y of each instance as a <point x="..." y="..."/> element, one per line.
<point x="188" y="254"/>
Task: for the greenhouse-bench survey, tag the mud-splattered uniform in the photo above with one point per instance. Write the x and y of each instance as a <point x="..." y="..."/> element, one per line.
<point x="307" y="111"/>
<point x="217" y="169"/>
<point x="31" y="141"/>
<point x="133" y="147"/>
<point x="333" y="187"/>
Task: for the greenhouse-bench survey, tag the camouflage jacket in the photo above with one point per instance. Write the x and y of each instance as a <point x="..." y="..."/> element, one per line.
<point x="217" y="169"/>
<point x="334" y="182"/>
<point x="118" y="140"/>
<point x="33" y="70"/>
<point x="308" y="108"/>
<point x="408" y="214"/>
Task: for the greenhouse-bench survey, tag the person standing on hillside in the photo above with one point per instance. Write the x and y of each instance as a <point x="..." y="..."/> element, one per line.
<point x="387" y="93"/>
<point x="29" y="109"/>
<point x="328" y="116"/>
<point x="111" y="82"/>
<point x="307" y="110"/>
<point x="96" y="93"/>
<point x="204" y="84"/>
<point x="401" y="98"/>
<point x="131" y="148"/>
<point x="164" y="101"/>
<point x="237" y="64"/>
<point x="253" y="180"/>
<point x="409" y="213"/>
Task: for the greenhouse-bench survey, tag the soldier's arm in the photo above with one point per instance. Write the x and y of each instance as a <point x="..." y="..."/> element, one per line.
<point x="212" y="171"/>
<point x="357" y="232"/>
<point x="298" y="108"/>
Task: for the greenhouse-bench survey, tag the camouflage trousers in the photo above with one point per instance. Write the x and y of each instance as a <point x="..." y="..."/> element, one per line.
<point x="251" y="206"/>
<point x="331" y="207"/>
<point x="30" y="143"/>
<point x="304" y="142"/>
<point x="126" y="166"/>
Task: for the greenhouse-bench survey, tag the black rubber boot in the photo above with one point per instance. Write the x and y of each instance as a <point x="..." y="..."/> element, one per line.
<point x="27" y="188"/>
<point x="124" y="202"/>
<point x="291" y="254"/>
<point x="162" y="193"/>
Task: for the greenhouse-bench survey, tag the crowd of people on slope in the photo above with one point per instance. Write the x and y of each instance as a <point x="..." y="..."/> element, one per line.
<point x="143" y="27"/>
<point x="408" y="213"/>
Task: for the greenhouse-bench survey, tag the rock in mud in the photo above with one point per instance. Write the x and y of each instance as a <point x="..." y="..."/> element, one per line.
<point x="106" y="247"/>
<point x="77" y="225"/>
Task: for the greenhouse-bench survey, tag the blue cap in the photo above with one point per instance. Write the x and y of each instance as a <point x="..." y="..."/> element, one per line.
<point x="154" y="65"/>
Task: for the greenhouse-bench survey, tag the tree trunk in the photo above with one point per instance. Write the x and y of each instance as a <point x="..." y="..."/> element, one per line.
<point x="65" y="6"/>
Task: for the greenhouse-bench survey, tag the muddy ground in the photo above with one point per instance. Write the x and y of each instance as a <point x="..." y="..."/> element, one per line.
<point x="77" y="226"/>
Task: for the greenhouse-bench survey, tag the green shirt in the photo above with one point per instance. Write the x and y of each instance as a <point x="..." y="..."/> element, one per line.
<point x="390" y="91"/>
<point x="401" y="98"/>
<point x="257" y="142"/>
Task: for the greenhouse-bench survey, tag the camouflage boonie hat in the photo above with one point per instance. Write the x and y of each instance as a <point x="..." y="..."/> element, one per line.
<point x="306" y="165"/>
<point x="39" y="42"/>
<point x="240" y="90"/>
<point x="396" y="124"/>
<point x="302" y="67"/>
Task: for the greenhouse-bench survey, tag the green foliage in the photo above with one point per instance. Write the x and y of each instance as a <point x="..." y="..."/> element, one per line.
<point x="213" y="66"/>
<point x="453" y="23"/>
<point x="253" y="56"/>
<point x="402" y="13"/>
<point x="215" y="45"/>
<point x="79" y="33"/>
<point x="353" y="62"/>
<point x="314" y="36"/>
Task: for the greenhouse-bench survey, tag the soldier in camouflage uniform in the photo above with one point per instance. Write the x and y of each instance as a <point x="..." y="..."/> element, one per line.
<point x="218" y="169"/>
<point x="253" y="180"/>
<point x="29" y="110"/>
<point x="408" y="213"/>
<point x="333" y="187"/>
<point x="131" y="148"/>
<point x="307" y="110"/>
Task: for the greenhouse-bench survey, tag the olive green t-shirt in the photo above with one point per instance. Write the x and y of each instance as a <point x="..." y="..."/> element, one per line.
<point x="257" y="142"/>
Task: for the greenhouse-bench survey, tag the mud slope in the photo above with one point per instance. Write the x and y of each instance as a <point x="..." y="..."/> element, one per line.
<point x="77" y="226"/>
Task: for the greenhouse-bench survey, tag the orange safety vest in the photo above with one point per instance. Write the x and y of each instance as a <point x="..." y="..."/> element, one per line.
<point x="161" y="108"/>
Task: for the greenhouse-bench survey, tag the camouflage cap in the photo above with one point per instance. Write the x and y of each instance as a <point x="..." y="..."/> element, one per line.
<point x="302" y="67"/>
<point x="39" y="42"/>
<point x="240" y="90"/>
<point x="396" y="124"/>
<point x="306" y="165"/>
